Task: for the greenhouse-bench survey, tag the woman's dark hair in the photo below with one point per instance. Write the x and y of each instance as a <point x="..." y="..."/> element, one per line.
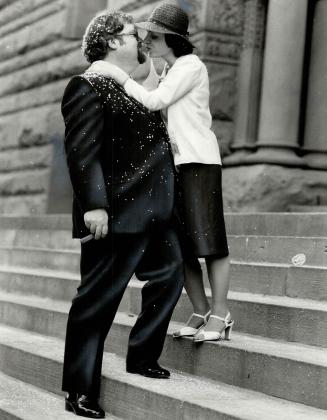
<point x="179" y="45"/>
<point x="100" y="30"/>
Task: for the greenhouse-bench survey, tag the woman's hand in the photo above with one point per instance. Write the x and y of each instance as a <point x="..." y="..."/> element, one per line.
<point x="109" y="70"/>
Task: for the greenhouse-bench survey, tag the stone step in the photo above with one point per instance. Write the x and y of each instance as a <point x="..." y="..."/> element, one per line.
<point x="269" y="250"/>
<point x="290" y="319"/>
<point x="254" y="248"/>
<point x="266" y="365"/>
<point x="278" y="249"/>
<point x="257" y="278"/>
<point x="19" y="400"/>
<point x="268" y="224"/>
<point x="183" y="397"/>
<point x="283" y="318"/>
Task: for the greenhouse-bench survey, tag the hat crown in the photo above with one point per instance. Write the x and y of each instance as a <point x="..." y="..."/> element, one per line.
<point x="171" y="17"/>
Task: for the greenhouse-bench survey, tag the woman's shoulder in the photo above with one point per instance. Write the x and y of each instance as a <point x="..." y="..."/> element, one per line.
<point x="190" y="59"/>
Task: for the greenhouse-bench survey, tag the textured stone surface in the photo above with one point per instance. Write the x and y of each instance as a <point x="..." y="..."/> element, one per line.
<point x="79" y="14"/>
<point x="25" y="158"/>
<point x="42" y="73"/>
<point x="222" y="90"/>
<point x="35" y="126"/>
<point x="271" y="188"/>
<point x="38" y="55"/>
<point x="224" y="16"/>
<point x="47" y="94"/>
<point x="217" y="47"/>
<point x="26" y="14"/>
<point x="24" y="182"/>
<point x="224" y="134"/>
<point x="32" y="36"/>
<point x="23" y="204"/>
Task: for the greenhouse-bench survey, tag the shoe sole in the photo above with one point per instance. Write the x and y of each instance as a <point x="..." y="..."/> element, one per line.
<point x="69" y="407"/>
<point x="148" y="375"/>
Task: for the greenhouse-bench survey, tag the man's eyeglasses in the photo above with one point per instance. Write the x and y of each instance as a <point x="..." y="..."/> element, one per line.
<point x="133" y="33"/>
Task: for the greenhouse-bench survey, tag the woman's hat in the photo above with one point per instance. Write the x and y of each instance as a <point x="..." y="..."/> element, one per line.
<point x="167" y="18"/>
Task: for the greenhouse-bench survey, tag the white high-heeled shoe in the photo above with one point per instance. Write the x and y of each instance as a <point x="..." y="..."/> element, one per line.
<point x="216" y="335"/>
<point x="190" y="331"/>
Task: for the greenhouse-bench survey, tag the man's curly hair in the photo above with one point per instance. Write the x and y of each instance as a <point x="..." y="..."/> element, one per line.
<point x="102" y="28"/>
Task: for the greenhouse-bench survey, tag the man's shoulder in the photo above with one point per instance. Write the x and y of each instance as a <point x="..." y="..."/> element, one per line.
<point x="90" y="82"/>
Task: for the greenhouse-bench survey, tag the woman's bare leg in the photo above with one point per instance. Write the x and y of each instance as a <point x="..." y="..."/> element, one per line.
<point x="218" y="273"/>
<point x="195" y="290"/>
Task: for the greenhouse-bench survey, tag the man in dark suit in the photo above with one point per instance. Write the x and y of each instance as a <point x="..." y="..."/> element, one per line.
<point x="122" y="174"/>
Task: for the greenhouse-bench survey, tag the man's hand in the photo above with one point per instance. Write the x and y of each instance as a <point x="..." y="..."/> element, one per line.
<point x="97" y="222"/>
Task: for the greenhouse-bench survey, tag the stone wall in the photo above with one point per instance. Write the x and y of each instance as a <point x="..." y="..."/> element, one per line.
<point x="38" y="55"/>
<point x="40" y="50"/>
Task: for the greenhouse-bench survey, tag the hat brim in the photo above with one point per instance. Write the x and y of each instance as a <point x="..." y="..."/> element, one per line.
<point x="154" y="27"/>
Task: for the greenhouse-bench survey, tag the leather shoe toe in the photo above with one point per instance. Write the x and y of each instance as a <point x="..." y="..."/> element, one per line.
<point x="84" y="406"/>
<point x="150" y="371"/>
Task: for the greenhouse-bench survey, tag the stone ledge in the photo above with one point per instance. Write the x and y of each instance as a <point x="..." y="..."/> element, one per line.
<point x="272" y="188"/>
<point x="36" y="35"/>
<point x="23" y="204"/>
<point x="35" y="126"/>
<point x="26" y="158"/>
<point x="54" y="49"/>
<point x="42" y="73"/>
<point x="28" y="14"/>
<point x="47" y="94"/>
<point x="24" y="182"/>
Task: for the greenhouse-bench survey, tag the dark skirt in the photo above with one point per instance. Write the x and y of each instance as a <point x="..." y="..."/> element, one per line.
<point x="200" y="210"/>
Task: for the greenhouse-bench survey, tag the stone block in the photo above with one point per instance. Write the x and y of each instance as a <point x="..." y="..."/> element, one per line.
<point x="55" y="49"/>
<point x="79" y="14"/>
<point x="217" y="47"/>
<point x="131" y="5"/>
<point x="26" y="158"/>
<point x="222" y="90"/>
<point x="23" y="204"/>
<point x="25" y="13"/>
<point x="39" y="33"/>
<point x="271" y="188"/>
<point x="42" y="73"/>
<point x="32" y="127"/>
<point x="18" y="9"/>
<point x="224" y="133"/>
<point x="224" y="16"/>
<point x="44" y="95"/>
<point x="24" y="182"/>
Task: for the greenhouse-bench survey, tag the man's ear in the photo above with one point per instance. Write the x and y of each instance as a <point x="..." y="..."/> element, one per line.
<point x="113" y="43"/>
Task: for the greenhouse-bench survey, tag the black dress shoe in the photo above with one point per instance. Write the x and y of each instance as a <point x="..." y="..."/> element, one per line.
<point x="151" y="370"/>
<point x="83" y="406"/>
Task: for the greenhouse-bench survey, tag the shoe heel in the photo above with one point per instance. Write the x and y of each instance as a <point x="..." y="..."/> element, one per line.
<point x="228" y="332"/>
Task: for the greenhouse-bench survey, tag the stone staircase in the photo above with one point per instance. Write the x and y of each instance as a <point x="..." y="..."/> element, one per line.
<point x="275" y="366"/>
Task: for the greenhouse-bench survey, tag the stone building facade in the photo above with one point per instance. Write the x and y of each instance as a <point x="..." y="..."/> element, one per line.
<point x="267" y="63"/>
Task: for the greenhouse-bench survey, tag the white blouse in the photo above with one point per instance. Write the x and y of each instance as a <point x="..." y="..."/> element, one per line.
<point x="185" y="93"/>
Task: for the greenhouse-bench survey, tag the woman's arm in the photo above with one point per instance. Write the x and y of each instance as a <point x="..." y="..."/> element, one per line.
<point x="180" y="79"/>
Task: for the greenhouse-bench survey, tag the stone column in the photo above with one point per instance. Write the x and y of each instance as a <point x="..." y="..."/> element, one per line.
<point x="315" y="138"/>
<point x="249" y="82"/>
<point x="282" y="83"/>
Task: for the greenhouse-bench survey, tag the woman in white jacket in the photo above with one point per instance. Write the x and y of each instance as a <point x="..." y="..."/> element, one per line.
<point x="183" y="98"/>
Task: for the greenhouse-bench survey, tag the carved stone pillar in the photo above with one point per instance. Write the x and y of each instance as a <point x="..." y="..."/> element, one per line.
<point x="315" y="142"/>
<point x="249" y="82"/>
<point x="282" y="83"/>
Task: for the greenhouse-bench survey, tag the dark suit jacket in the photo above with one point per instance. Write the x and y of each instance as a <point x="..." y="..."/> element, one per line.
<point x="118" y="156"/>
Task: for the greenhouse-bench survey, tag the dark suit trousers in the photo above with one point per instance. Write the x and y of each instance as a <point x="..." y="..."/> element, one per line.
<point x="106" y="268"/>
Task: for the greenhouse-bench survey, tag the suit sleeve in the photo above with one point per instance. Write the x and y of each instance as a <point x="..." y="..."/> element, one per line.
<point x="181" y="78"/>
<point x="84" y="121"/>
